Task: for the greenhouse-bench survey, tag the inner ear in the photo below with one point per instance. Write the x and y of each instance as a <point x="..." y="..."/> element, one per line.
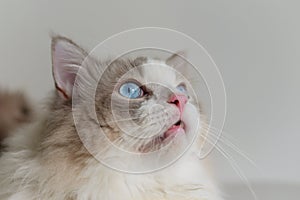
<point x="67" y="59"/>
<point x="177" y="60"/>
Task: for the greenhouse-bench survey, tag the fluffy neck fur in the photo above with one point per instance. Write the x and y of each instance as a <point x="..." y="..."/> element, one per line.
<point x="27" y="174"/>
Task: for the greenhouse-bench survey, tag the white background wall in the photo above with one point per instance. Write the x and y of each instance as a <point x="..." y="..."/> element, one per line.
<point x="255" y="44"/>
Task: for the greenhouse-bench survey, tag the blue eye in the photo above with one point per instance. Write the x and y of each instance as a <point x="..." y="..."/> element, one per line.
<point x="181" y="88"/>
<point x="131" y="90"/>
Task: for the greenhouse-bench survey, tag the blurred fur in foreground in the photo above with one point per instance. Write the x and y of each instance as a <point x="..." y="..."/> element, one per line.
<point x="15" y="110"/>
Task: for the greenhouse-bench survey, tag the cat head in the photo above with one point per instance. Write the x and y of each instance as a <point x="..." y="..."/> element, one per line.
<point x="142" y="104"/>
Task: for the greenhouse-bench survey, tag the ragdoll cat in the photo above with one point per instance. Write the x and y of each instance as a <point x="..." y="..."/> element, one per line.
<point x="51" y="160"/>
<point x="15" y="110"/>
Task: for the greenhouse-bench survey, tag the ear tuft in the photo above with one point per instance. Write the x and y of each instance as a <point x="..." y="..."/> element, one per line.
<point x="67" y="59"/>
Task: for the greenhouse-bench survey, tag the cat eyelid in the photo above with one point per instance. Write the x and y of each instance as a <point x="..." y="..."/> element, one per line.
<point x="129" y="81"/>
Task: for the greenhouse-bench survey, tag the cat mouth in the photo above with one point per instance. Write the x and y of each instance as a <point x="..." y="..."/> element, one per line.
<point x="177" y="128"/>
<point x="173" y="131"/>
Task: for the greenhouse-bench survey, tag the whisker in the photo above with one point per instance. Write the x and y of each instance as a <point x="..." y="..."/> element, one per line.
<point x="126" y="119"/>
<point x="129" y="109"/>
<point x="133" y="140"/>
<point x="236" y="168"/>
<point x="231" y="145"/>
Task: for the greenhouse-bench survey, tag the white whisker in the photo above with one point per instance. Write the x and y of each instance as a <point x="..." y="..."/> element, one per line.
<point x="236" y="168"/>
<point x="229" y="144"/>
<point x="126" y="119"/>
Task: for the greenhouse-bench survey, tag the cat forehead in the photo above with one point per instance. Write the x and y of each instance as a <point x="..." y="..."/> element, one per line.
<point x="156" y="71"/>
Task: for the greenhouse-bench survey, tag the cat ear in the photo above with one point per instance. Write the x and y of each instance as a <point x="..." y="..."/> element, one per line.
<point x="67" y="58"/>
<point x="177" y="60"/>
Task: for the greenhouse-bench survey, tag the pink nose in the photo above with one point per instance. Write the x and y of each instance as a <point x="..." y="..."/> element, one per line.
<point x="179" y="100"/>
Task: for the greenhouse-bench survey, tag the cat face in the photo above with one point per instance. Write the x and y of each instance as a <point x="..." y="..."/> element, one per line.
<point x="144" y="104"/>
<point x="148" y="103"/>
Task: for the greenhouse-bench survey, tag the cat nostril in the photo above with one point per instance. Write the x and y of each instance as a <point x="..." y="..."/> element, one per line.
<point x="176" y="102"/>
<point x="179" y="100"/>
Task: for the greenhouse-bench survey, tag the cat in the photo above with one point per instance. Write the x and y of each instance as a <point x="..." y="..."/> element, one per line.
<point x="15" y="111"/>
<point x="51" y="160"/>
